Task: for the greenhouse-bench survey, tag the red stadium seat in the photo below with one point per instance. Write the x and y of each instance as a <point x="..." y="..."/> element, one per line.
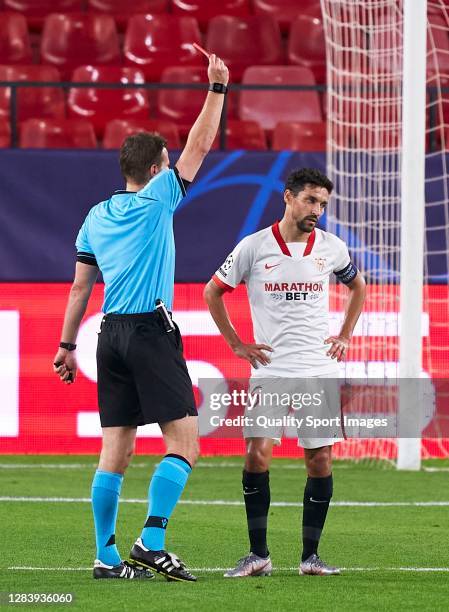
<point x="121" y="10"/>
<point x="182" y="105"/>
<point x="271" y="107"/>
<point x="153" y="42"/>
<point x="102" y="105"/>
<point x="5" y="134"/>
<point x="243" y="135"/>
<point x="306" y="45"/>
<point x="245" y="41"/>
<point x="204" y="10"/>
<point x="15" y="46"/>
<point x="116" y="131"/>
<point x="57" y="134"/>
<point x="437" y="61"/>
<point x="69" y="41"/>
<point x="35" y="11"/>
<point x="286" y="11"/>
<point x="299" y="136"/>
<point x="32" y="101"/>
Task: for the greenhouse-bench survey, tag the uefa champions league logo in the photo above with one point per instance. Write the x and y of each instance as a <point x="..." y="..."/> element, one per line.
<point x="228" y="263"/>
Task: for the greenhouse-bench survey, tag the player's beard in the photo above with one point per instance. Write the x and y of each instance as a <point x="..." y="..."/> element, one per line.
<point x="304" y="224"/>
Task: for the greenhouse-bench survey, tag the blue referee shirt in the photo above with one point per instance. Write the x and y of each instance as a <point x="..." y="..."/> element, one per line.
<point x="130" y="238"/>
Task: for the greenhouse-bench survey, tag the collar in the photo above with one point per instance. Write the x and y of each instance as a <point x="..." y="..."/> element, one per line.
<point x="283" y="245"/>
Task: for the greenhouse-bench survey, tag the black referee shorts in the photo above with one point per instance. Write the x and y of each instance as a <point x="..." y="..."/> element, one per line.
<point x="142" y="374"/>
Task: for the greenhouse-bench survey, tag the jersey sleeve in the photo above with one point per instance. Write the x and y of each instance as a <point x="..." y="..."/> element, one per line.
<point x="166" y="187"/>
<point x="84" y="251"/>
<point x="236" y="267"/>
<point x="344" y="269"/>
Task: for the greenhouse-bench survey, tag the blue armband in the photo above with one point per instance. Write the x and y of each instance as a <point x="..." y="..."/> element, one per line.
<point x="348" y="273"/>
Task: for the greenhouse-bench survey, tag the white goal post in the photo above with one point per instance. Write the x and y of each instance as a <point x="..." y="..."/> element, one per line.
<point x="412" y="218"/>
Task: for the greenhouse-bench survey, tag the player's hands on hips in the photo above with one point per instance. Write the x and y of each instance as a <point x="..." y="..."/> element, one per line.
<point x="339" y="346"/>
<point x="254" y="353"/>
<point x="217" y="71"/>
<point x="65" y="366"/>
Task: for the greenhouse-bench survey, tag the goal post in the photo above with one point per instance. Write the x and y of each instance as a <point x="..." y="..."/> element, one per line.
<point x="412" y="220"/>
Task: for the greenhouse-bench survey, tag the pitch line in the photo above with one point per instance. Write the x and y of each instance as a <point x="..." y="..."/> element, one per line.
<point x="212" y="570"/>
<point x="227" y="502"/>
<point x="201" y="464"/>
<point x="436" y="469"/>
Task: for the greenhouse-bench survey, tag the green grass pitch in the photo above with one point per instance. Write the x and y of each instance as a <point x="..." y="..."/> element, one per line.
<point x="397" y="556"/>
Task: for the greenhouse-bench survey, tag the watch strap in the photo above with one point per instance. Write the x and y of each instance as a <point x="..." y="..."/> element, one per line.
<point x="68" y="346"/>
<point x="218" y="88"/>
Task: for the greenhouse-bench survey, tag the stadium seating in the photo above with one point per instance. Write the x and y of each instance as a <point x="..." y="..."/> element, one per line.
<point x="102" y="105"/>
<point x="15" y="45"/>
<point x="35" y="11"/>
<point x="121" y="10"/>
<point x="306" y="45"/>
<point x="286" y="11"/>
<point x="57" y="134"/>
<point x="299" y="136"/>
<point x="243" y="135"/>
<point x="245" y="41"/>
<point x="437" y="38"/>
<point x="32" y="101"/>
<point x="239" y="134"/>
<point x="437" y="63"/>
<point x="183" y="105"/>
<point x="116" y="131"/>
<point x="69" y="41"/>
<point x="158" y="46"/>
<point x="153" y="42"/>
<point x="5" y="134"/>
<point x="274" y="106"/>
<point x="204" y="10"/>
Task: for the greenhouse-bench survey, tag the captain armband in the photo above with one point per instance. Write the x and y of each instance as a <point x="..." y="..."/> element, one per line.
<point x="348" y="273"/>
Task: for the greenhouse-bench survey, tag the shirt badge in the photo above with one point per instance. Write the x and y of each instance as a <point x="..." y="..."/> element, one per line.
<point x="320" y="262"/>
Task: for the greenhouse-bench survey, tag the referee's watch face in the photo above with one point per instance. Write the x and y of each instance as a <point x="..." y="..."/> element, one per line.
<point x="307" y="206"/>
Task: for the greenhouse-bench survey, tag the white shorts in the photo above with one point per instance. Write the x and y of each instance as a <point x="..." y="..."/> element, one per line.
<point x="307" y="408"/>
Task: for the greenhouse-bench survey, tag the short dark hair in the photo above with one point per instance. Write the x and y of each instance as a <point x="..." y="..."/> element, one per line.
<point x="298" y="179"/>
<point x="138" y="152"/>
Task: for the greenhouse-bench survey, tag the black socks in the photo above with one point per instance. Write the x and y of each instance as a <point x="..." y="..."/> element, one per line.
<point x="256" y="491"/>
<point x="317" y="495"/>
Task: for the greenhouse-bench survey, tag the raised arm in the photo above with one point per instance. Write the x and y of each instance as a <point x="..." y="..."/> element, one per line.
<point x="64" y="363"/>
<point x="254" y="353"/>
<point x="204" y="130"/>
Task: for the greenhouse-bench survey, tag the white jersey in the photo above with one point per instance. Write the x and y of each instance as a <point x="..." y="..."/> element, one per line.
<point x="288" y="291"/>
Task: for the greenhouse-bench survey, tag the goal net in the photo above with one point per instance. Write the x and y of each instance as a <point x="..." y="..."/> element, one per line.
<point x="364" y="47"/>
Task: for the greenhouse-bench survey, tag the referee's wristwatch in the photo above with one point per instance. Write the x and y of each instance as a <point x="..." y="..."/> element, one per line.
<point x="218" y="88"/>
<point x="68" y="346"/>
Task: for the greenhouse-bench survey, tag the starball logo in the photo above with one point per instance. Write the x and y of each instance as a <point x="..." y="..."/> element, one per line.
<point x="294" y="291"/>
<point x="224" y="269"/>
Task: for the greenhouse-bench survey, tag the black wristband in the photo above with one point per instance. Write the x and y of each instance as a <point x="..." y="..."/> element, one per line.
<point x="218" y="88"/>
<point x="67" y="345"/>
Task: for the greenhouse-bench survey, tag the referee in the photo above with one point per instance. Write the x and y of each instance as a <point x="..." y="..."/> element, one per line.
<point x="142" y="374"/>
